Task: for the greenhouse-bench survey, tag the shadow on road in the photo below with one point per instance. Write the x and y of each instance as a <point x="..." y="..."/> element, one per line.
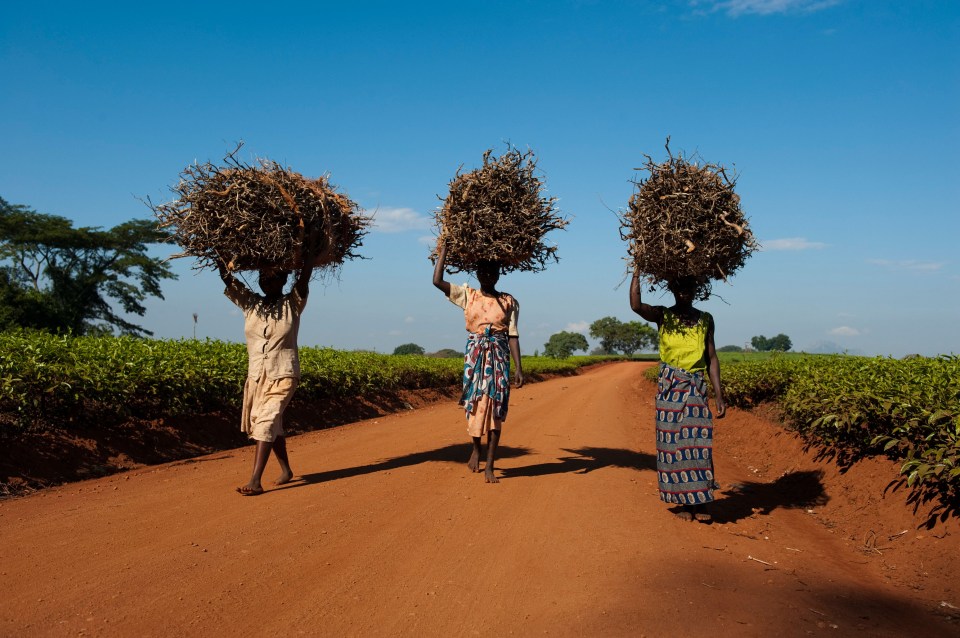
<point x="454" y="453"/>
<point x="790" y="491"/>
<point x="586" y="459"/>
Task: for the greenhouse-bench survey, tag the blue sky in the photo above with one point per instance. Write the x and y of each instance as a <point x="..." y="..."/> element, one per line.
<point x="841" y="117"/>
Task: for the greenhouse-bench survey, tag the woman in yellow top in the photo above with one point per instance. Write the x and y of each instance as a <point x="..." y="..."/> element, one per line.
<point x="684" y="420"/>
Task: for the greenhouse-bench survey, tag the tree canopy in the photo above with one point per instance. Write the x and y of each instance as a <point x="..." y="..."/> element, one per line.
<point x="626" y="337"/>
<point x="409" y="348"/>
<point x="781" y="342"/>
<point x="730" y="348"/>
<point x="59" y="278"/>
<point x="562" y="344"/>
<point x="446" y="353"/>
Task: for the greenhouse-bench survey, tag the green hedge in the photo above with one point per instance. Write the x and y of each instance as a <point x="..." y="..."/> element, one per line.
<point x="46" y="378"/>
<point x="908" y="409"/>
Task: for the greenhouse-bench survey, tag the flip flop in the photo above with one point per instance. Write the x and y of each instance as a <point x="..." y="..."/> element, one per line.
<point x="249" y="491"/>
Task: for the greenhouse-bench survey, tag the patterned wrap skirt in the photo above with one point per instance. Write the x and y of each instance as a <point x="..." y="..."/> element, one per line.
<point x="684" y="438"/>
<point x="486" y="379"/>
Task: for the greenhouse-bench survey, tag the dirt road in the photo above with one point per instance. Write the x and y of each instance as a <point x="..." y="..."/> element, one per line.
<point x="388" y="534"/>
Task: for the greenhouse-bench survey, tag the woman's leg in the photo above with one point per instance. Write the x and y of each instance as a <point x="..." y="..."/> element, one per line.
<point x="474" y="462"/>
<point x="280" y="451"/>
<point x="493" y="439"/>
<point x="260" y="457"/>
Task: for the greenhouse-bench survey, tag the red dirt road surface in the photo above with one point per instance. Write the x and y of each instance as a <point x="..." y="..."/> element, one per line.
<point x="387" y="534"/>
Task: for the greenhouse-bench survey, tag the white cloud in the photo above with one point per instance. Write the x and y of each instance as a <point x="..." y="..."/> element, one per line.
<point x="578" y="326"/>
<point x="791" y="243"/>
<point x="398" y="220"/>
<point x="845" y="331"/>
<point x="765" y="7"/>
<point x="408" y="320"/>
<point x="908" y="264"/>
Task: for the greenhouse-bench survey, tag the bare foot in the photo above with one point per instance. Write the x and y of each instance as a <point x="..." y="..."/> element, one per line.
<point x="489" y="477"/>
<point x="474" y="462"/>
<point x="285" y="478"/>
<point x="250" y="490"/>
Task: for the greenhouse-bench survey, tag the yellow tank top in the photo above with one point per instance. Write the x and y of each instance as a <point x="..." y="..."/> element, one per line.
<point x="684" y="347"/>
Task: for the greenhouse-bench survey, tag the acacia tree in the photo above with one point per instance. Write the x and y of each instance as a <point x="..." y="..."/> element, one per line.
<point x="629" y="337"/>
<point x="562" y="344"/>
<point x="781" y="342"/>
<point x="68" y="279"/>
<point x="408" y="348"/>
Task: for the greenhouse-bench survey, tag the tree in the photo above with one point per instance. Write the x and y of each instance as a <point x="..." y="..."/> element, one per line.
<point x="408" y="348"/>
<point x="629" y="337"/>
<point x="605" y="330"/>
<point x="65" y="279"/>
<point x="730" y="348"/>
<point x="447" y="353"/>
<point x="781" y="342"/>
<point x="562" y="344"/>
<point x="636" y="335"/>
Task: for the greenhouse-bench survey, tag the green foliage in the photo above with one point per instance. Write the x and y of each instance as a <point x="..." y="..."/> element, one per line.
<point x="64" y="279"/>
<point x="781" y="342"/>
<point x="408" y="348"/>
<point x="629" y="337"/>
<point x="907" y="409"/>
<point x="563" y="344"/>
<point x="46" y="378"/>
<point x="730" y="349"/>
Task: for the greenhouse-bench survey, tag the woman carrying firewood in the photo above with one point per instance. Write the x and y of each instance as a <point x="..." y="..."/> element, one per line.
<point x="491" y="318"/>
<point x="684" y="419"/>
<point x="271" y="324"/>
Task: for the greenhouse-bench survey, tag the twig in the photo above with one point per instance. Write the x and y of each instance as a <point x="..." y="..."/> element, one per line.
<point x="760" y="561"/>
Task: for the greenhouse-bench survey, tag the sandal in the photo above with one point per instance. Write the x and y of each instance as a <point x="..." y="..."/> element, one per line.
<point x="684" y="514"/>
<point x="702" y="515"/>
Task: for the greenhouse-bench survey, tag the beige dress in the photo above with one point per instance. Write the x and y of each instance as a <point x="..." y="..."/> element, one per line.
<point x="273" y="364"/>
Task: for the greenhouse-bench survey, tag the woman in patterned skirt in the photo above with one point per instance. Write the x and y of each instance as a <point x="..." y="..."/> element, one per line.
<point x="684" y="419"/>
<point x="491" y="318"/>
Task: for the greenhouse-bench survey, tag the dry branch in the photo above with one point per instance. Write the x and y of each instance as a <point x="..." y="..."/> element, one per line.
<point x="259" y="216"/>
<point x="685" y="221"/>
<point x="498" y="213"/>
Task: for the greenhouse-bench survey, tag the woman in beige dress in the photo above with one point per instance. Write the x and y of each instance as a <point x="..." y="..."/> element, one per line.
<point x="271" y="324"/>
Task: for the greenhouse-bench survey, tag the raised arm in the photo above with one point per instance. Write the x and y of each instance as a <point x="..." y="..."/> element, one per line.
<point x="713" y="369"/>
<point x="645" y="310"/>
<point x="234" y="287"/>
<point x="438" y="279"/>
<point x="312" y="250"/>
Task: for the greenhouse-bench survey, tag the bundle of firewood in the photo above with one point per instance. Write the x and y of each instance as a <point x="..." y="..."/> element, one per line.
<point x="498" y="213"/>
<point x="684" y="222"/>
<point x="251" y="217"/>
